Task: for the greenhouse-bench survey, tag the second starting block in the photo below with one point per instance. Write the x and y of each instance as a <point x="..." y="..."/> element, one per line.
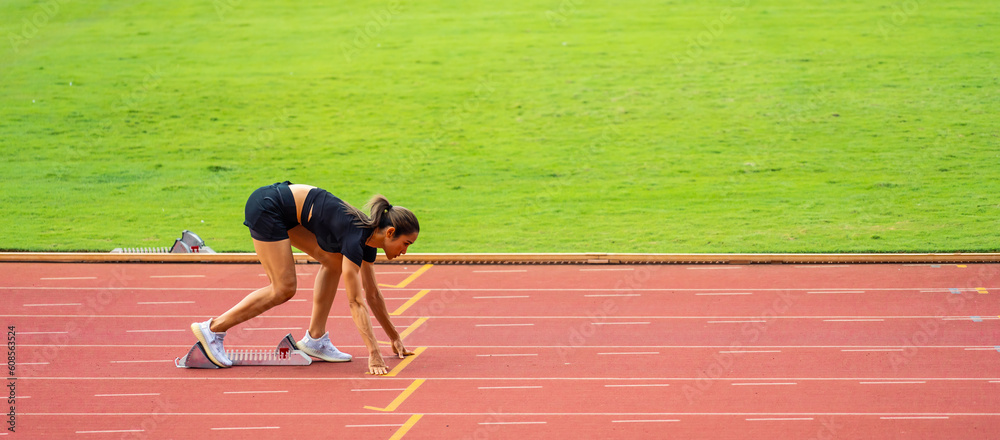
<point x="285" y="354"/>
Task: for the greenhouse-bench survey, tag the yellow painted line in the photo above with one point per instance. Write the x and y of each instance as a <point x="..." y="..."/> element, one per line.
<point x="410" y="278"/>
<point x="962" y="265"/>
<point x="406" y="361"/>
<point x="407" y="332"/>
<point x="410" y="302"/>
<point x="400" y="398"/>
<point x="406" y="427"/>
<point x="412" y="327"/>
<point x="982" y="290"/>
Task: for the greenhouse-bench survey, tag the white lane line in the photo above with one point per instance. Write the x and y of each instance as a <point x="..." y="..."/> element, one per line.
<point x="275" y="328"/>
<point x="139" y="362"/>
<point x="605" y="270"/>
<point x="500" y="271"/>
<point x="780" y="419"/>
<point x="41" y="333"/>
<point x="835" y="292"/>
<point x="639" y="385"/>
<point x="612" y="295"/>
<point x="619" y="323"/>
<point x="32" y="363"/>
<point x="177" y="276"/>
<point x="504" y="325"/>
<point x="52" y="305"/>
<point x="853" y="320"/>
<point x="770" y="383"/>
<point x="872" y="349"/>
<point x="164" y="302"/>
<point x="373" y="426"/>
<point x="68" y="278"/>
<point x="500" y="297"/>
<point x="507" y="355"/>
<point x="247" y="427"/>
<point x="512" y="423"/>
<point x="734" y="322"/>
<point x="750" y="351"/>
<point x="511" y="388"/>
<point x="157" y="331"/>
<point x="381" y="389"/>
<point x="995" y="381"/>
<point x="126" y="395"/>
<point x="894" y="382"/>
<point x="110" y="431"/>
<point x="981" y="349"/>
<point x="724" y="294"/>
<point x="642" y="421"/>
<point x="914" y="418"/>
<point x="630" y="352"/>
<point x="253" y="392"/>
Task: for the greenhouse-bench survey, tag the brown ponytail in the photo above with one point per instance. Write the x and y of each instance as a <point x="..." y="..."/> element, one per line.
<point x="383" y="215"/>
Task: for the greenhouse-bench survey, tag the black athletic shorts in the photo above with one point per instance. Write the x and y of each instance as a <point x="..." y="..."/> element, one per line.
<point x="270" y="212"/>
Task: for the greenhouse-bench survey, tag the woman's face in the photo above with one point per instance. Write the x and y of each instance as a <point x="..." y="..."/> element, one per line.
<point x="396" y="245"/>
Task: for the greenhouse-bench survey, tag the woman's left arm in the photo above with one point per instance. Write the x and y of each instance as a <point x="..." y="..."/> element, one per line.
<point x="377" y="304"/>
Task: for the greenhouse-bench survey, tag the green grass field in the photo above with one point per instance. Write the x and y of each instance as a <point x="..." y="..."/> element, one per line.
<point x="517" y="126"/>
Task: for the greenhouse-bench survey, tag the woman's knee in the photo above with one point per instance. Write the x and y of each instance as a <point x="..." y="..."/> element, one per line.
<point x="283" y="289"/>
<point x="332" y="269"/>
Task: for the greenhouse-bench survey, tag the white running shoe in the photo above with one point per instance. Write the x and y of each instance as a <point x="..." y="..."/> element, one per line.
<point x="212" y="342"/>
<point x="322" y="348"/>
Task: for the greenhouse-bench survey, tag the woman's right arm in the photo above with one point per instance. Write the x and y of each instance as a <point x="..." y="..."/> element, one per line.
<point x="359" y="312"/>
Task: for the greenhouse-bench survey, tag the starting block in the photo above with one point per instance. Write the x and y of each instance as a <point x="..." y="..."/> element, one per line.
<point x="189" y="243"/>
<point x="285" y="354"/>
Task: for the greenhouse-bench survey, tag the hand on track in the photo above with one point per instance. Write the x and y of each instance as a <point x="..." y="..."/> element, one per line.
<point x="376" y="365"/>
<point x="399" y="350"/>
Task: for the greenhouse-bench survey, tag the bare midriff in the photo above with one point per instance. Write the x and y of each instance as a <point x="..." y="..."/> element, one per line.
<point x="299" y="193"/>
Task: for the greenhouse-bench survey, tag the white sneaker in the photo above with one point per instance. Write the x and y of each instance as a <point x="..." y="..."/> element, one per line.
<point x="212" y="342"/>
<point x="322" y="348"/>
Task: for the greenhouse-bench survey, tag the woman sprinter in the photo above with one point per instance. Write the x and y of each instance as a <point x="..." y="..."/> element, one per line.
<point x="343" y="240"/>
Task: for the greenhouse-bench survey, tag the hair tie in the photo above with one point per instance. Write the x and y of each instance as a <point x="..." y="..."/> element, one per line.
<point x="388" y="209"/>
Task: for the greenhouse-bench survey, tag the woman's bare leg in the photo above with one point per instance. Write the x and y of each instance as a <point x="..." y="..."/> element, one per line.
<point x="276" y="257"/>
<point x="327" y="279"/>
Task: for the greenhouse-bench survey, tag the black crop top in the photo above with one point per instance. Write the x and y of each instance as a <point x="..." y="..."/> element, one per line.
<point x="334" y="228"/>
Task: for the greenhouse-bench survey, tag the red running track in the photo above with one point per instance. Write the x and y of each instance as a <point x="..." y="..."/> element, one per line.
<point x="811" y="351"/>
